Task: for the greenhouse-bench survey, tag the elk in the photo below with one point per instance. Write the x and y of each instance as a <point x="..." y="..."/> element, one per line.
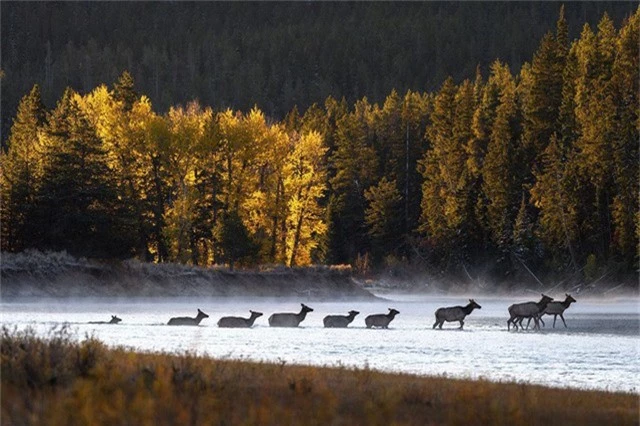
<point x="555" y="309"/>
<point x="381" y="320"/>
<point x="518" y="311"/>
<point x="339" y="321"/>
<point x="239" y="322"/>
<point x="114" y="320"/>
<point x="188" y="320"/>
<point x="455" y="313"/>
<point x="289" y="319"/>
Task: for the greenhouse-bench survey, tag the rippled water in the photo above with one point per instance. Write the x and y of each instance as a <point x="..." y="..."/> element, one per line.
<point x="600" y="348"/>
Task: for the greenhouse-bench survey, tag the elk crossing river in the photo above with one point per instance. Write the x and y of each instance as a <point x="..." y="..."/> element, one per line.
<point x="600" y="349"/>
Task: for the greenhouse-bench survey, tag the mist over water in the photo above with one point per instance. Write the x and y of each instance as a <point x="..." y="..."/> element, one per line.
<point x="600" y="349"/>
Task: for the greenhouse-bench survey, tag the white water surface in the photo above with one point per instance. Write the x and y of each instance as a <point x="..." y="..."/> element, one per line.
<point x="600" y="349"/>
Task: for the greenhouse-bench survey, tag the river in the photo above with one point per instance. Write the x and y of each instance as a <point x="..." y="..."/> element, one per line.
<point x="600" y="349"/>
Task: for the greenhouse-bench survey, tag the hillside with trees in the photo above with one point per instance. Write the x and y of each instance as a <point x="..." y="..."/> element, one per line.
<point x="275" y="54"/>
<point x="525" y="167"/>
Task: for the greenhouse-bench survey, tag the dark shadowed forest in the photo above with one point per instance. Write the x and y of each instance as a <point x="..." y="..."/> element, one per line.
<point x="471" y="139"/>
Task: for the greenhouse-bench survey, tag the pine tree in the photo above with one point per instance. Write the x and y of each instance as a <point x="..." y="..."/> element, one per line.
<point x="562" y="36"/>
<point x="293" y="121"/>
<point x="381" y="216"/>
<point x="524" y="240"/>
<point x="595" y="118"/>
<point x="399" y="126"/>
<point x="124" y="136"/>
<point x="487" y="97"/>
<point x="447" y="186"/>
<point x="500" y="184"/>
<point x="233" y="241"/>
<point x="416" y="109"/>
<point x="21" y="173"/>
<point x="157" y="183"/>
<point x="567" y="126"/>
<point x="354" y="164"/>
<point x="389" y="140"/>
<point x="439" y="179"/>
<point x="542" y="100"/>
<point x="625" y="204"/>
<point x="553" y="196"/>
<point x="124" y="92"/>
<point x="77" y="201"/>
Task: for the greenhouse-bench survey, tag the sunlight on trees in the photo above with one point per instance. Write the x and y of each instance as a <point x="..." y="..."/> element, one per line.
<point x="538" y="166"/>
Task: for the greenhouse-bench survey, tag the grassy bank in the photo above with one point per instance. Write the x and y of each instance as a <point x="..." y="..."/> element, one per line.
<point x="55" y="381"/>
<point x="57" y="274"/>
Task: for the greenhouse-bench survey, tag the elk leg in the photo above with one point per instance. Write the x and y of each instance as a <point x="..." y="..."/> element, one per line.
<point x="562" y="317"/>
<point x="536" y="324"/>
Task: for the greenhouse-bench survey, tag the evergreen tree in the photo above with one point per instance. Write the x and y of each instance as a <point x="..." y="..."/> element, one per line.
<point x="500" y="184"/>
<point x="123" y="133"/>
<point x="444" y="164"/>
<point x="542" y="100"/>
<point x="21" y="169"/>
<point x="354" y="163"/>
<point x="553" y="196"/>
<point x="625" y="204"/>
<point x="524" y="241"/>
<point x="124" y="92"/>
<point x="156" y="185"/>
<point x="399" y="128"/>
<point x="77" y="201"/>
<point x="416" y="110"/>
<point x="595" y="118"/>
<point x="562" y="35"/>
<point x="540" y="169"/>
<point x="384" y="202"/>
<point x="567" y="126"/>
<point x="233" y="240"/>
<point x="487" y="98"/>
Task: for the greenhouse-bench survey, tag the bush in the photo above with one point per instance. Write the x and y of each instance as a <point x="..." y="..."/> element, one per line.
<point x="58" y="381"/>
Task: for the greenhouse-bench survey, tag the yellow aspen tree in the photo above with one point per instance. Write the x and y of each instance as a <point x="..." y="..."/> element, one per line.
<point x="305" y="184"/>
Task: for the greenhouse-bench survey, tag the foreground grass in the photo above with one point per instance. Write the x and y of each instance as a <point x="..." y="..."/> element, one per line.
<point x="55" y="381"/>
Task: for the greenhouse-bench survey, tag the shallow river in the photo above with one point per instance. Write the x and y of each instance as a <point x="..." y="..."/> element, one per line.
<point x="600" y="349"/>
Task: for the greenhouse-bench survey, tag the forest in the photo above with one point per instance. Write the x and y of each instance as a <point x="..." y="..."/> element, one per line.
<point x="508" y="170"/>
<point x="272" y="54"/>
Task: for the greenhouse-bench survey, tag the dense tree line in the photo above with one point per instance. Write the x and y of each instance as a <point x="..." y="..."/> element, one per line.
<point x="536" y="169"/>
<point x="274" y="54"/>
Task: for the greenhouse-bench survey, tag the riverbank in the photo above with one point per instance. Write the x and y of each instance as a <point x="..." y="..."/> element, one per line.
<point x="58" y="382"/>
<point x="34" y="274"/>
<point x="42" y="275"/>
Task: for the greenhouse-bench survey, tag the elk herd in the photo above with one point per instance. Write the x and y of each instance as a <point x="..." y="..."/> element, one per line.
<point x="518" y="312"/>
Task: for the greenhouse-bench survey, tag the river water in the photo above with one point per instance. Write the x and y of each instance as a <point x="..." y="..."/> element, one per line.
<point x="600" y="349"/>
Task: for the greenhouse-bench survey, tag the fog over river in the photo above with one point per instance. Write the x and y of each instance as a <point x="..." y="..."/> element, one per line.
<point x="600" y="349"/>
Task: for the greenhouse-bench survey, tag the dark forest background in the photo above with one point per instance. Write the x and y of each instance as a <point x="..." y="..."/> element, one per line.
<point x="465" y="139"/>
<point x="270" y="54"/>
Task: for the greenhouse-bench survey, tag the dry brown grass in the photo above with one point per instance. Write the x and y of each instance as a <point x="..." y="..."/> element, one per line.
<point x="55" y="381"/>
